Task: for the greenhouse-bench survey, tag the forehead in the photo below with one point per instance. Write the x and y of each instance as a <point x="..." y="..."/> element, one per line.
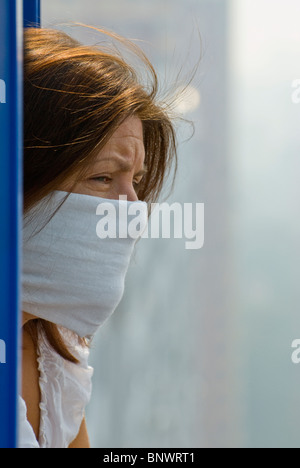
<point x="126" y="143"/>
<point x="131" y="128"/>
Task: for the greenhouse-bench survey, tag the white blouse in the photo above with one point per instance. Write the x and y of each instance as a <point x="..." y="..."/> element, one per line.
<point x="65" y="390"/>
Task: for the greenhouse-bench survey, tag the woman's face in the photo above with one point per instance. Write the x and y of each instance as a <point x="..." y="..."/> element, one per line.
<point x="119" y="166"/>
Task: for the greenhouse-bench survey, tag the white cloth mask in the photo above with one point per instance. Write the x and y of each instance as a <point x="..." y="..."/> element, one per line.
<point x="72" y="275"/>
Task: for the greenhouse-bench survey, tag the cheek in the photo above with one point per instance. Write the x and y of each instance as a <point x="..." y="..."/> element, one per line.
<point x="88" y="187"/>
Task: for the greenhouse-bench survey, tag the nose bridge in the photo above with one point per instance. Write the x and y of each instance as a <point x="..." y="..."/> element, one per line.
<point x="126" y="188"/>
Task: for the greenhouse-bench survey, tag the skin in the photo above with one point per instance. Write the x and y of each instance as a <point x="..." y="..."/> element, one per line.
<point x="117" y="170"/>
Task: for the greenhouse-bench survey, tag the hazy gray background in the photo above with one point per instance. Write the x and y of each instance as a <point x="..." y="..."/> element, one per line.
<point x="199" y="352"/>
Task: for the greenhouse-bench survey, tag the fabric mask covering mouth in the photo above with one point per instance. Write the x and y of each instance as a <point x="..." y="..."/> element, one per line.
<point x="71" y="276"/>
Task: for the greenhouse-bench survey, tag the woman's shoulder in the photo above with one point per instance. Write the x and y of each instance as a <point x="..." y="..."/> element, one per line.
<point x="26" y="434"/>
<point x="65" y="389"/>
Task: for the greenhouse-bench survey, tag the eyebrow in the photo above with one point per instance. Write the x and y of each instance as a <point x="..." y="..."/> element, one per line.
<point x="122" y="165"/>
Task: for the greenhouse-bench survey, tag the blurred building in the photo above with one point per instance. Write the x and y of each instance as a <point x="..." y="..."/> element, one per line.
<point x="198" y="353"/>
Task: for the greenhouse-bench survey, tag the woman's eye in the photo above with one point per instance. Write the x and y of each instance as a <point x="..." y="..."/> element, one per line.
<point x="102" y="179"/>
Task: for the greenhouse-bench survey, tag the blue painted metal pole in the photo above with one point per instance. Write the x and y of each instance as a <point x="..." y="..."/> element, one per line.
<point x="11" y="141"/>
<point x="32" y="13"/>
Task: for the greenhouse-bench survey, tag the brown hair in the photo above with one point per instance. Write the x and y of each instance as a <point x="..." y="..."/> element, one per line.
<point x="75" y="97"/>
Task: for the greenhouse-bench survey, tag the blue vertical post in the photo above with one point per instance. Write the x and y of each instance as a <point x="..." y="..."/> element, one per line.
<point x="32" y="13"/>
<point x="11" y="141"/>
<point x="12" y="20"/>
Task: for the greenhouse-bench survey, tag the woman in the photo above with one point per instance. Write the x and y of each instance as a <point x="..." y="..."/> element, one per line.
<point x="93" y="132"/>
